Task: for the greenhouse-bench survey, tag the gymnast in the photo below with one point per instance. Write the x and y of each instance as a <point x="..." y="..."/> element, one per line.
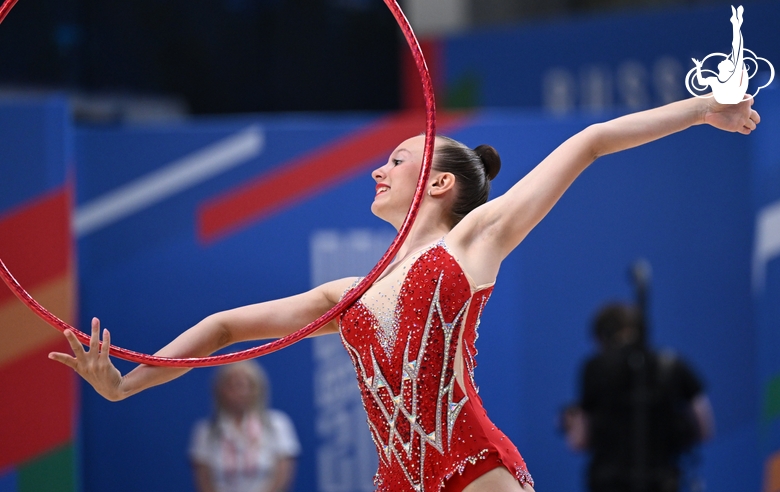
<point x="411" y="335"/>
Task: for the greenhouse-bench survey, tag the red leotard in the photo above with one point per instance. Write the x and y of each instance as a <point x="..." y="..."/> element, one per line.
<point x="429" y="434"/>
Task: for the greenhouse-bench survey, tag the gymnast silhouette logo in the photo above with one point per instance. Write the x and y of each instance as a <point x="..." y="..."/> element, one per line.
<point x="735" y="70"/>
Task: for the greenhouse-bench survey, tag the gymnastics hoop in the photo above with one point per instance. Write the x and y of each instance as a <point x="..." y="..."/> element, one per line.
<point x="7" y="6"/>
<point x="351" y="297"/>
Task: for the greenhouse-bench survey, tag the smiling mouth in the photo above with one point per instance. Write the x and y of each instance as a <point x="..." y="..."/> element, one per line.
<point x="382" y="189"/>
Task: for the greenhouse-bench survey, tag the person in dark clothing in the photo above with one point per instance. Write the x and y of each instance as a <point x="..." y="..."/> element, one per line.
<point x="639" y="409"/>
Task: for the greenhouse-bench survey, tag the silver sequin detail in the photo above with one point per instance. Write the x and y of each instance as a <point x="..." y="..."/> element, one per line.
<point x="377" y="384"/>
<point x="471" y="358"/>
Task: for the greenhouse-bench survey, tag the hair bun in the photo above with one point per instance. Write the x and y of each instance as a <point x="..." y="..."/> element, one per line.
<point x="490" y="159"/>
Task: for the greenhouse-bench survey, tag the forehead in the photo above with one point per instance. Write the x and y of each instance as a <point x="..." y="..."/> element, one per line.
<point x="415" y="144"/>
<point x="237" y="373"/>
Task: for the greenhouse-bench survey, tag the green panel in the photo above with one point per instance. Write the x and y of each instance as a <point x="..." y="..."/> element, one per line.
<point x="51" y="472"/>
<point x="464" y="93"/>
<point x="772" y="400"/>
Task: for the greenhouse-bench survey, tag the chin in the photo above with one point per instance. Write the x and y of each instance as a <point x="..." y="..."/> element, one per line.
<point x="377" y="210"/>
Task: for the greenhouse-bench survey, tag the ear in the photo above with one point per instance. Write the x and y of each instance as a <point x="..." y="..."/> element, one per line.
<point x="441" y="184"/>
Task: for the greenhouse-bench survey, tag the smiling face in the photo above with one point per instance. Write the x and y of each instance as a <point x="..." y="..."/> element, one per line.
<point x="397" y="180"/>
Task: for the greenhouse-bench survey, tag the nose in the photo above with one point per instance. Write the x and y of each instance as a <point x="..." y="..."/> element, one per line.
<point x="378" y="173"/>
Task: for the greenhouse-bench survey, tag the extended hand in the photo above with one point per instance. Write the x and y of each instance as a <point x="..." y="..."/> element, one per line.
<point x="93" y="365"/>
<point x="696" y="62"/>
<point x="740" y="117"/>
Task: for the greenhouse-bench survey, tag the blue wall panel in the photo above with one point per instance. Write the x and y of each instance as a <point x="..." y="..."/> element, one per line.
<point x="684" y="203"/>
<point x="622" y="59"/>
<point x="150" y="278"/>
<point x="36" y="141"/>
<point x="766" y="274"/>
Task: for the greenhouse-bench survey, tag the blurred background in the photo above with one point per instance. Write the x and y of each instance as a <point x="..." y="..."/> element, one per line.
<point x="161" y="161"/>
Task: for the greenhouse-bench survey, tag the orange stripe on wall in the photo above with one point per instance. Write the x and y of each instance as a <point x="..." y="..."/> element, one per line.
<point x="38" y="405"/>
<point x="23" y="331"/>
<point x="772" y="473"/>
<point x="35" y="240"/>
<point x="317" y="170"/>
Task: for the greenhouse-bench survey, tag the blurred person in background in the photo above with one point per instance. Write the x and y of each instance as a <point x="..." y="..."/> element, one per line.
<point x="640" y="409"/>
<point x="245" y="446"/>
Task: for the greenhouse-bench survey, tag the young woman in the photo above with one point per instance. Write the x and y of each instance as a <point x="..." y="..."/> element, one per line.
<point x="411" y="336"/>
<point x="245" y="446"/>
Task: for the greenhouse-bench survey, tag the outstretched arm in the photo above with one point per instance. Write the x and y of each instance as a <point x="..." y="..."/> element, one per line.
<point x="273" y="319"/>
<point x="491" y="232"/>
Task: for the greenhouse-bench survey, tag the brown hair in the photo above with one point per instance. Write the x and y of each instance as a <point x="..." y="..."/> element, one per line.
<point x="473" y="170"/>
<point x="256" y="374"/>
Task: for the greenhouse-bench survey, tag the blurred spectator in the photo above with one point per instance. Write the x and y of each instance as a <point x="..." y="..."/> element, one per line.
<point x="640" y="409"/>
<point x="245" y="447"/>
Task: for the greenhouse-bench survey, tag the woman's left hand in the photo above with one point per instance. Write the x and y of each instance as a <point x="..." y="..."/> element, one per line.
<point x="739" y="117"/>
<point x="94" y="365"/>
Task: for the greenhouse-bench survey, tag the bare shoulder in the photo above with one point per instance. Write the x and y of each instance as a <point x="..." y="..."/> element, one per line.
<point x="330" y="293"/>
<point x="335" y="289"/>
<point x="471" y="243"/>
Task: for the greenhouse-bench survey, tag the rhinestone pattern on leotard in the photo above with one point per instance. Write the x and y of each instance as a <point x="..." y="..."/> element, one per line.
<point x="423" y="424"/>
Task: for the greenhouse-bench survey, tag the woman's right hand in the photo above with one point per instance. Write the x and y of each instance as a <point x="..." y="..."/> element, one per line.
<point x="740" y="117"/>
<point x="94" y="365"/>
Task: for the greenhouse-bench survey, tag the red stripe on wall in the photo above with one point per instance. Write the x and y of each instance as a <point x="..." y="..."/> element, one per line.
<point x="35" y="241"/>
<point x="311" y="173"/>
<point x="38" y="405"/>
<point x="411" y="87"/>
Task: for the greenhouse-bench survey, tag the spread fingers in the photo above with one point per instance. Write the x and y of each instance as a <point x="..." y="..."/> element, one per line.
<point x="94" y="340"/>
<point x="64" y="359"/>
<point x="75" y="345"/>
<point x="105" y="348"/>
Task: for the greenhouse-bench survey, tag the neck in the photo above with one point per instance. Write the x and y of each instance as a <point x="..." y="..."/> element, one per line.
<point x="235" y="415"/>
<point x="429" y="226"/>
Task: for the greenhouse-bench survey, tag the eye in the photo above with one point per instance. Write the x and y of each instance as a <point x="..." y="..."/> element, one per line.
<point x="397" y="161"/>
